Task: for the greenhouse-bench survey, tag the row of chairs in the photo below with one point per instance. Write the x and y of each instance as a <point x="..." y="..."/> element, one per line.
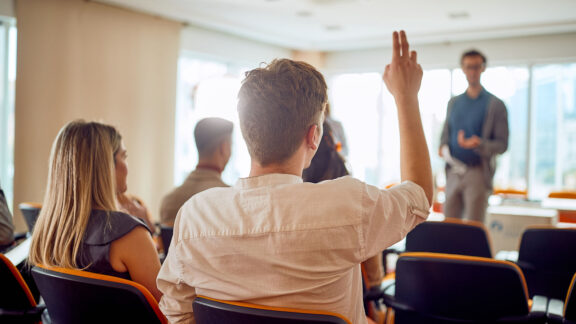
<point x="76" y="296"/>
<point x="446" y="288"/>
<point x="411" y="244"/>
<point x="545" y="255"/>
<point x="430" y="288"/>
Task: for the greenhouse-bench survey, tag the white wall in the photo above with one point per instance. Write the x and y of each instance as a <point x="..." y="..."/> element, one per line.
<point x="519" y="50"/>
<point x="81" y="59"/>
<point x="227" y="48"/>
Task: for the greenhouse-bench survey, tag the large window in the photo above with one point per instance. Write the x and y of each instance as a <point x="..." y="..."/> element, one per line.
<point x="553" y="157"/>
<point x="541" y="156"/>
<point x="7" y="82"/>
<point x="541" y="103"/>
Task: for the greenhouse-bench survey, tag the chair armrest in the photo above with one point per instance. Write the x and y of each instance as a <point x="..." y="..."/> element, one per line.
<point x="388" y="287"/>
<point x="32" y="314"/>
<point x="374" y="294"/>
<point x="539" y="304"/>
<point x="555" y="310"/>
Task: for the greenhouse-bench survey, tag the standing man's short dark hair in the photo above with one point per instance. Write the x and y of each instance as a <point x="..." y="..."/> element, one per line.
<point x="475" y="132"/>
<point x="473" y="52"/>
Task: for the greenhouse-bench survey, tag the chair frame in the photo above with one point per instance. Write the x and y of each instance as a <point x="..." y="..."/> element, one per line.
<point x="277" y="313"/>
<point x="539" y="303"/>
<point x="526" y="266"/>
<point x="32" y="313"/>
<point x="460" y="222"/>
<point x="80" y="276"/>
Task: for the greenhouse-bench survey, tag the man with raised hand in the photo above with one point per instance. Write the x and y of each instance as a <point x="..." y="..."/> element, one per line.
<point x="272" y="239"/>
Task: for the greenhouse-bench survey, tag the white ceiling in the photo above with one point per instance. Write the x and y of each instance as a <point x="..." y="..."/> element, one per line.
<point x="331" y="25"/>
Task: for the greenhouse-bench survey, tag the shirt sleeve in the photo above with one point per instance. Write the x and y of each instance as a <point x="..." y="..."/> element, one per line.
<point x="390" y="214"/>
<point x="497" y="140"/>
<point x="177" y="298"/>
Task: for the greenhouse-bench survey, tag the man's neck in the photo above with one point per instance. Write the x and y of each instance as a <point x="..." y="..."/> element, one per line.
<point x="289" y="167"/>
<point x="473" y="91"/>
<point x="209" y="165"/>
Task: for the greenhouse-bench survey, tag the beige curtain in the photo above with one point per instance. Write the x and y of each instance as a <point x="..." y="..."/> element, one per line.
<point x="80" y="59"/>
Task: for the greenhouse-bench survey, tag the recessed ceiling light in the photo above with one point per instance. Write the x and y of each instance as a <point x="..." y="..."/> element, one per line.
<point x="459" y="15"/>
<point x="333" y="27"/>
<point x="304" y="13"/>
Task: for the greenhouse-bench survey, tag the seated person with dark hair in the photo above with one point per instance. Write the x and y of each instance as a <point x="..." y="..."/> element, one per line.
<point x="272" y="239"/>
<point x="6" y="224"/>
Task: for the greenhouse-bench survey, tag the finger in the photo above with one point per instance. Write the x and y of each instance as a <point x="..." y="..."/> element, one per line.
<point x="404" y="45"/>
<point x="413" y="56"/>
<point x="395" y="46"/>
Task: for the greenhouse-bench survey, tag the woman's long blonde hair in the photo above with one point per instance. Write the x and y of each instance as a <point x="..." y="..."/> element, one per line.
<point x="81" y="178"/>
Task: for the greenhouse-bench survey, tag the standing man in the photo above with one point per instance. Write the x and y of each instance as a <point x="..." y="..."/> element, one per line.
<point x="213" y="138"/>
<point x="272" y="239"/>
<point x="475" y="131"/>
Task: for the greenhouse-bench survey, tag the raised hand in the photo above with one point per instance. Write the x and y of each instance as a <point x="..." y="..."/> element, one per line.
<point x="403" y="75"/>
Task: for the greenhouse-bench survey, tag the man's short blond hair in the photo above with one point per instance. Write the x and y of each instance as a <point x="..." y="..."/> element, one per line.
<point x="276" y="105"/>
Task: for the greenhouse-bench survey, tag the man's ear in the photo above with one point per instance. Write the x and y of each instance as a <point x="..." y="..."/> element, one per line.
<point x="313" y="137"/>
<point x="223" y="147"/>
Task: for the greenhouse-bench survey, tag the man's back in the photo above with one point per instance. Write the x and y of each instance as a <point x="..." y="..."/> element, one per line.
<point x="276" y="241"/>
<point x="198" y="181"/>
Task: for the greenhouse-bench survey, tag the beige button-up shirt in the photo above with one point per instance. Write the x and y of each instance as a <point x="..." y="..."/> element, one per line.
<point x="274" y="240"/>
<point x="197" y="181"/>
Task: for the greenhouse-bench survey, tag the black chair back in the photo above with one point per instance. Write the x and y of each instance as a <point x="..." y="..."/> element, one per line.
<point x="570" y="303"/>
<point x="17" y="305"/>
<point x="452" y="237"/>
<point x="210" y="311"/>
<point x="442" y="288"/>
<point x="30" y="211"/>
<point x="547" y="258"/>
<point x="75" y="296"/>
<point x="166" y="233"/>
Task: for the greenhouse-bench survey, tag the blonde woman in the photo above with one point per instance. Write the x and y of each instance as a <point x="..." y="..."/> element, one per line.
<point x="80" y="226"/>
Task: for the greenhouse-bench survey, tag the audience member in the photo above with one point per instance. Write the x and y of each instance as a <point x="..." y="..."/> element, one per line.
<point x="274" y="240"/>
<point x="6" y="223"/>
<point x="213" y="138"/>
<point x="327" y="163"/>
<point x="79" y="226"/>
<point x="337" y="132"/>
<point x="474" y="133"/>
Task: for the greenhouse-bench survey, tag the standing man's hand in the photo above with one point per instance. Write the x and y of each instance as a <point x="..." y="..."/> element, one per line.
<point x="468" y="143"/>
<point x="403" y="76"/>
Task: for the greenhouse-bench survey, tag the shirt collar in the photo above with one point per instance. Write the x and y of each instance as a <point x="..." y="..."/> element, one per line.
<point x="205" y="172"/>
<point x="268" y="180"/>
<point x="480" y="94"/>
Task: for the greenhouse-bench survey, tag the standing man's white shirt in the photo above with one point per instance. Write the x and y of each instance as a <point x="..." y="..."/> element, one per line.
<point x="274" y="240"/>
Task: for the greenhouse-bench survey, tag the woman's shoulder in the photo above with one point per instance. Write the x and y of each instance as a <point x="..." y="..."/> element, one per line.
<point x="107" y="226"/>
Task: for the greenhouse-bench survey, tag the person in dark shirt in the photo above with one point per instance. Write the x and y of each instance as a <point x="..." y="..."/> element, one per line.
<point x="6" y="224"/>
